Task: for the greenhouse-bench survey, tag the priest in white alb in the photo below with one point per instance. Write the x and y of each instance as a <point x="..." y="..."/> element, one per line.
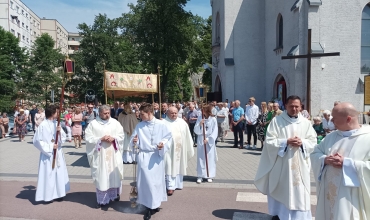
<point x="152" y="137"/>
<point x="104" y="138"/>
<point x="341" y="164"/>
<point x="181" y="150"/>
<point x="284" y="170"/>
<point x="128" y="120"/>
<point x="52" y="184"/>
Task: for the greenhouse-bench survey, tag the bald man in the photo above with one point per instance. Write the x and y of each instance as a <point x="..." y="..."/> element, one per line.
<point x="181" y="150"/>
<point x="341" y="164"/>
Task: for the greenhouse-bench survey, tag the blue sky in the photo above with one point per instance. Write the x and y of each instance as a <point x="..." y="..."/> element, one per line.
<point x="72" y="12"/>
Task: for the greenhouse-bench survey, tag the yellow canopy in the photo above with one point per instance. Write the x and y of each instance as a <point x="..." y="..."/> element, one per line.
<point x="129" y="84"/>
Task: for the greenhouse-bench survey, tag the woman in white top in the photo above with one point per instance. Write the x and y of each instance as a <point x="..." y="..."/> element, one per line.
<point x="327" y="123"/>
<point x="39" y="117"/>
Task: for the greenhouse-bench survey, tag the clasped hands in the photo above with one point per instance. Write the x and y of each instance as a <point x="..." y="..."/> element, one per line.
<point x="335" y="160"/>
<point x="294" y="142"/>
<point x="160" y="145"/>
<point x="107" y="138"/>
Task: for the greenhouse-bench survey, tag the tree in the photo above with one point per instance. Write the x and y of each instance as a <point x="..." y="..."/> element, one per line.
<point x="161" y="31"/>
<point x="43" y="72"/>
<point x="102" y="44"/>
<point x="12" y="59"/>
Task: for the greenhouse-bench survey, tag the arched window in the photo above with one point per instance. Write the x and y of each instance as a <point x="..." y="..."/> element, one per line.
<point x="218" y="28"/>
<point x="365" y="40"/>
<point x="279" y="32"/>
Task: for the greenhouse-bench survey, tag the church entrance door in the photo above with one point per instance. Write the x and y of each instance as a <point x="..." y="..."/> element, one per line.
<point x="280" y="92"/>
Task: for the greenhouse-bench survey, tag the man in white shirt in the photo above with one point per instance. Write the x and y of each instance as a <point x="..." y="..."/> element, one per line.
<point x="251" y="116"/>
<point x="327" y="123"/>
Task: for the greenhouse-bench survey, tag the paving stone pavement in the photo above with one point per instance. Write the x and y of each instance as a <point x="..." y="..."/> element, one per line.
<point x="235" y="168"/>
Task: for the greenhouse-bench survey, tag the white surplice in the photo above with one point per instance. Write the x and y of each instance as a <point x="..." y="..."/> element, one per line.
<point x="105" y="158"/>
<point x="128" y="122"/>
<point x="151" y="184"/>
<point x="51" y="183"/>
<point x="211" y="134"/>
<point x="284" y="171"/>
<point x="180" y="151"/>
<point x="343" y="193"/>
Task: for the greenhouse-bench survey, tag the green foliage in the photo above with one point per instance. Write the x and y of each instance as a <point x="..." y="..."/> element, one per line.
<point x="102" y="44"/>
<point x="12" y="59"/>
<point x="43" y="72"/>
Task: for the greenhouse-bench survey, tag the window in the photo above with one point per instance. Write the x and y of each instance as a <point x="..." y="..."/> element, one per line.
<point x="27" y="39"/>
<point x="279" y="32"/>
<point x="17" y="9"/>
<point x="11" y="5"/>
<point x="22" y="12"/>
<point x="365" y="40"/>
<point x="19" y="36"/>
<point x="218" y="28"/>
<point x="27" y="27"/>
<point x="18" y="23"/>
<point x="13" y="32"/>
<point x="24" y="38"/>
<point x="26" y="15"/>
<point x="34" y="33"/>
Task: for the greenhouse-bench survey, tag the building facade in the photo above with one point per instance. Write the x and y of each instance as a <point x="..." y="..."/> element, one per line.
<point x="21" y="21"/>
<point x="74" y="40"/>
<point x="18" y="19"/>
<point x="250" y="37"/>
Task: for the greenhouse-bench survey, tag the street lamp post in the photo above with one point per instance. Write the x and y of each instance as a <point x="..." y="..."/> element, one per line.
<point x="67" y="72"/>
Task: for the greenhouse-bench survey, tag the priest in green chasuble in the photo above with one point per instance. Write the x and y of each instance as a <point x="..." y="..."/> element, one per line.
<point x="284" y="170"/>
<point x="180" y="151"/>
<point x="341" y="164"/>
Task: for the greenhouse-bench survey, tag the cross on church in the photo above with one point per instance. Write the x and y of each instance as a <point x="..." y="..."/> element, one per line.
<point x="308" y="56"/>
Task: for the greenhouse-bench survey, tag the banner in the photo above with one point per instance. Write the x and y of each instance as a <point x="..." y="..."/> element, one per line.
<point x="128" y="84"/>
<point x="367" y="90"/>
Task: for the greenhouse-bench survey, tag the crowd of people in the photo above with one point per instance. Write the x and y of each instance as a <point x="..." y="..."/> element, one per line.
<point x="160" y="139"/>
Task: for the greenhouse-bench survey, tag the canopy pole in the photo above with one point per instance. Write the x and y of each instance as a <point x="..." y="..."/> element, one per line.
<point x="104" y="86"/>
<point x="159" y="92"/>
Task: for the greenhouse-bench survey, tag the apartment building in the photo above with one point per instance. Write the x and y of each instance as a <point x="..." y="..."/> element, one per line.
<point x="21" y="21"/>
<point x="74" y="40"/>
<point x="18" y="19"/>
<point x="57" y="32"/>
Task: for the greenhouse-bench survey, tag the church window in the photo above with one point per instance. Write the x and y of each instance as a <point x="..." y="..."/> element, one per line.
<point x="279" y="32"/>
<point x="365" y="40"/>
<point x="218" y="28"/>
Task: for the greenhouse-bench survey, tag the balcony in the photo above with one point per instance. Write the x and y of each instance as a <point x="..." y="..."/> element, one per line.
<point x="74" y="43"/>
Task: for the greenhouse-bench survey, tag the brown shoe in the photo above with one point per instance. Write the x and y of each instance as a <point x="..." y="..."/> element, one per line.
<point x="170" y="192"/>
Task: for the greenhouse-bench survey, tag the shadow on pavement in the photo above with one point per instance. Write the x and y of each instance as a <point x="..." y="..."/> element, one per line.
<point x="29" y="193"/>
<point x="83" y="198"/>
<point x="82" y="161"/>
<point x="253" y="153"/>
<point x="228" y="213"/>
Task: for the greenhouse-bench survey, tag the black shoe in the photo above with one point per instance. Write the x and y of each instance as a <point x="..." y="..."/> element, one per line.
<point x="98" y="206"/>
<point x="118" y="198"/>
<point x="59" y="199"/>
<point x="275" y="217"/>
<point x="153" y="211"/>
<point x="148" y="215"/>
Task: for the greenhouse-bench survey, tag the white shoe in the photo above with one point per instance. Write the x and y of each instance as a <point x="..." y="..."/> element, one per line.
<point x="199" y="180"/>
<point x="248" y="146"/>
<point x="254" y="147"/>
<point x="209" y="180"/>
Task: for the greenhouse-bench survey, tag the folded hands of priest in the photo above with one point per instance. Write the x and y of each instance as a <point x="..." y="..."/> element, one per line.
<point x="335" y="160"/>
<point x="294" y="142"/>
